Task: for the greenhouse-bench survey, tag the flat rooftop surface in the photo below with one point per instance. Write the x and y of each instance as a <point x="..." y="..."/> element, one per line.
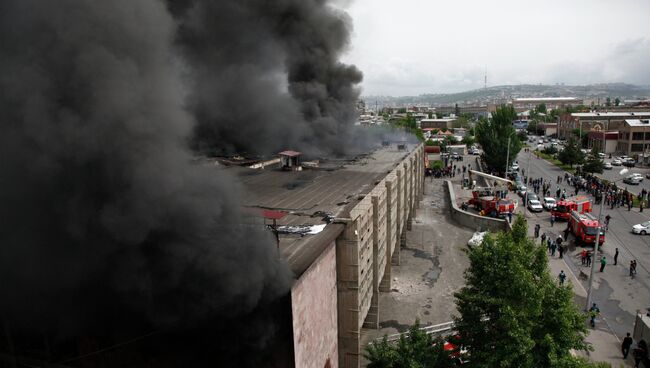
<point x="310" y="195"/>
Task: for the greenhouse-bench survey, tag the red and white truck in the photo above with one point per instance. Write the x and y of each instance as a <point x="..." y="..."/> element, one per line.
<point x="564" y="207"/>
<point x="584" y="227"/>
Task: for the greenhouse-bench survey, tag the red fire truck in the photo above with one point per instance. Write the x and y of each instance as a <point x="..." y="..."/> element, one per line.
<point x="563" y="208"/>
<point x="584" y="227"/>
<point x="491" y="200"/>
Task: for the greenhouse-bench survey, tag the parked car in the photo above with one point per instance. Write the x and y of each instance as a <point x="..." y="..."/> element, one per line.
<point x="617" y="162"/>
<point x="630" y="162"/>
<point x="521" y="190"/>
<point x="530" y="196"/>
<point x="515" y="166"/>
<point x="637" y="175"/>
<point x="608" y="166"/>
<point x="642" y="228"/>
<point x="535" y="206"/>
<point x="549" y="203"/>
<point x="632" y="180"/>
<point x="601" y="155"/>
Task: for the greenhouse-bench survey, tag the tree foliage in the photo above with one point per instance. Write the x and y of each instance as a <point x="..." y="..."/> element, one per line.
<point x="414" y="350"/>
<point x="493" y="136"/>
<point x="571" y="154"/>
<point x="512" y="313"/>
<point x="594" y="163"/>
<point x="522" y="135"/>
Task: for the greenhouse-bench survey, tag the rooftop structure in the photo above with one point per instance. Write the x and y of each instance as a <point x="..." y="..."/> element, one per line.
<point x="341" y="233"/>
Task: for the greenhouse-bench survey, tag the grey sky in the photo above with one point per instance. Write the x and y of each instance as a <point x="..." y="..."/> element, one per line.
<point x="408" y="47"/>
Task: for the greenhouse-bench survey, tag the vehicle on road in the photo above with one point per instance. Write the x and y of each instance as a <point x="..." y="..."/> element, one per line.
<point x="637" y="175"/>
<point x="647" y="175"/>
<point x="521" y="190"/>
<point x="549" y="203"/>
<point x="608" y="166"/>
<point x="617" y="162"/>
<point x="563" y="208"/>
<point x="601" y="155"/>
<point x="530" y="196"/>
<point x="534" y="205"/>
<point x="642" y="228"/>
<point x="630" y="162"/>
<point x="490" y="201"/>
<point x="515" y="166"/>
<point x="632" y="180"/>
<point x="584" y="227"/>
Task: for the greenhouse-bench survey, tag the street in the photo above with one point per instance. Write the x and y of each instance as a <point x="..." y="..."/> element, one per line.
<point x="618" y="296"/>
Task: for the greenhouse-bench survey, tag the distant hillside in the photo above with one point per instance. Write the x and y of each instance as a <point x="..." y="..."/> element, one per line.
<point x="499" y="94"/>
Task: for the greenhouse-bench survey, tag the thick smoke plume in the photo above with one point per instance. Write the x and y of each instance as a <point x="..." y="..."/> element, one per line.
<point x="107" y="227"/>
<point x="265" y="75"/>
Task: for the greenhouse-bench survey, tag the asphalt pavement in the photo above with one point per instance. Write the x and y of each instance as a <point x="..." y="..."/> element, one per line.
<point x="617" y="294"/>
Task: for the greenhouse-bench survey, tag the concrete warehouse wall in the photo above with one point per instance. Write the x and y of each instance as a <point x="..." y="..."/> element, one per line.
<point x="314" y="310"/>
<point x="368" y="248"/>
<point x="471" y="220"/>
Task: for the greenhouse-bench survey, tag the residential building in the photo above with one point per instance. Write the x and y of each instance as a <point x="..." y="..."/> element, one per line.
<point x="634" y="137"/>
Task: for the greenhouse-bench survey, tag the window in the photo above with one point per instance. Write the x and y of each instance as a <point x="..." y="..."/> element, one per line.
<point x="637" y="136"/>
<point x="637" y="147"/>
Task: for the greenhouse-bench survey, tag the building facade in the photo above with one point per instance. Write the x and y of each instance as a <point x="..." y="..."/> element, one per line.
<point x="634" y="137"/>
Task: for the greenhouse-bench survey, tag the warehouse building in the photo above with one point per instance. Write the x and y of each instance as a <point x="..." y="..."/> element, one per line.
<point x="340" y="227"/>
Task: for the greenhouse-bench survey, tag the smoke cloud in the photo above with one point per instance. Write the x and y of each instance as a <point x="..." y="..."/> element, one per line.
<point x="265" y="76"/>
<point x="107" y="227"/>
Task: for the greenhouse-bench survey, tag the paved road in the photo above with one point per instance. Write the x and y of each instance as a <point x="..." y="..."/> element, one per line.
<point x="618" y="296"/>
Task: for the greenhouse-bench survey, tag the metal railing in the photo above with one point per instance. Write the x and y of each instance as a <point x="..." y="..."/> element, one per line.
<point x="439" y="329"/>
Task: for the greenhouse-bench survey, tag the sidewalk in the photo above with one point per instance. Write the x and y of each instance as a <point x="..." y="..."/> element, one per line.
<point x="607" y="346"/>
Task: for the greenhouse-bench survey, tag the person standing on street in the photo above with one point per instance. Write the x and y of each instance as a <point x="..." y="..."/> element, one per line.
<point x="583" y="257"/>
<point x="543" y="238"/>
<point x="537" y="227"/>
<point x="562" y="277"/>
<point x="566" y="231"/>
<point x="593" y="312"/>
<point x="588" y="259"/>
<point x="603" y="263"/>
<point x="616" y="257"/>
<point x="632" y="268"/>
<point x="640" y="353"/>
<point x="627" y="344"/>
<point x="552" y="220"/>
<point x="552" y="246"/>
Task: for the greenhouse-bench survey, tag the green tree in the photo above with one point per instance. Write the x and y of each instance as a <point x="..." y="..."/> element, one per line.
<point x="522" y="135"/>
<point x="594" y="163"/>
<point x="541" y="108"/>
<point x="512" y="312"/>
<point x="468" y="140"/>
<point x="582" y="136"/>
<point x="608" y="102"/>
<point x="571" y="154"/>
<point x="617" y="101"/>
<point x="493" y="136"/>
<point x="413" y="350"/>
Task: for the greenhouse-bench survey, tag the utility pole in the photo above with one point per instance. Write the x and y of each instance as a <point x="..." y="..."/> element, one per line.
<point x="505" y="176"/>
<point x="526" y="196"/>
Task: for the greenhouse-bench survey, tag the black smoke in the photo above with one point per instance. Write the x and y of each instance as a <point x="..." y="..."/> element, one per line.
<point x="265" y="76"/>
<point x="107" y="229"/>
